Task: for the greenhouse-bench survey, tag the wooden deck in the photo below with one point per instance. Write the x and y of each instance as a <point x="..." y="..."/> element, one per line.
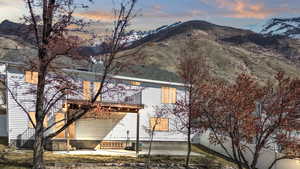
<point x="108" y="106"/>
<point x="102" y="110"/>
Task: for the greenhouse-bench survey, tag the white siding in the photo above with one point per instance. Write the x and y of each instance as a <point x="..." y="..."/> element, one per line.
<point x="90" y="129"/>
<point x="17" y="119"/>
<point x="119" y="129"/>
<point x="3" y="126"/>
<point x="152" y="97"/>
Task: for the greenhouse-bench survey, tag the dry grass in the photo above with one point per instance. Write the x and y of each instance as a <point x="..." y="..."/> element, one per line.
<point x="215" y="159"/>
<point x="22" y="159"/>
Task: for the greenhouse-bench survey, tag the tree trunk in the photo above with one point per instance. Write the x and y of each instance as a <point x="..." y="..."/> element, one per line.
<point x="38" y="147"/>
<point x="149" y="151"/>
<point x="189" y="148"/>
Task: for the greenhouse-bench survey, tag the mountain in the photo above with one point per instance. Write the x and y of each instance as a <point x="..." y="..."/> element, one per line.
<point x="258" y="27"/>
<point x="229" y="51"/>
<point x="283" y="26"/>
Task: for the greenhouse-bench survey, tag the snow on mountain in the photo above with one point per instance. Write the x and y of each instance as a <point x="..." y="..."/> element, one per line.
<point x="283" y="26"/>
<point x="137" y="35"/>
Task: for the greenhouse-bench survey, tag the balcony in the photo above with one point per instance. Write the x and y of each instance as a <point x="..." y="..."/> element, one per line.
<point x="117" y="103"/>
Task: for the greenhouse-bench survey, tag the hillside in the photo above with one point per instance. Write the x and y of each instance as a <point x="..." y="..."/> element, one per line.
<point x="228" y="50"/>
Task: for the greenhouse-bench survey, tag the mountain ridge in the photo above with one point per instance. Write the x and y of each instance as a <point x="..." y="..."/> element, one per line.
<point x="229" y="50"/>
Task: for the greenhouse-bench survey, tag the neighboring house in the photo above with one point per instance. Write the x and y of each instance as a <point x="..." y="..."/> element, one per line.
<point x="127" y="121"/>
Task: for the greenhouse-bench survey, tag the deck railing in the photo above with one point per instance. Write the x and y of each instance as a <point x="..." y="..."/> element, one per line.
<point x="133" y="99"/>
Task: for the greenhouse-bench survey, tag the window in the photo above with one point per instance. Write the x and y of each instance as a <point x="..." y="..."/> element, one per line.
<point x="86" y="90"/>
<point x="168" y="95"/>
<point x="162" y="124"/>
<point x="32" y="116"/>
<point x="134" y="83"/>
<point x="97" y="86"/>
<point x="31" y="77"/>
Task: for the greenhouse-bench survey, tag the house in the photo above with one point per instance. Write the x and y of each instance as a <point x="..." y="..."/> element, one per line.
<point x="130" y="113"/>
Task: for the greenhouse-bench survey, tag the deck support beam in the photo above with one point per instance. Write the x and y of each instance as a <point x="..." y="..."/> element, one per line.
<point x="137" y="134"/>
<point x="67" y="134"/>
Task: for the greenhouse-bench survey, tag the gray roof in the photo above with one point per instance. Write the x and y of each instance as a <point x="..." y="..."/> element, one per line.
<point x="152" y="73"/>
<point x="149" y="72"/>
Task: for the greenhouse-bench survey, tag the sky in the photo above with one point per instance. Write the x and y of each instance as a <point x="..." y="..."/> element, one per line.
<point x="154" y="13"/>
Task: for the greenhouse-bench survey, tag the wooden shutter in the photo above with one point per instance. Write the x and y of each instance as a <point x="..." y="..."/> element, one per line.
<point x="164" y="94"/>
<point x="172" y="95"/>
<point x="31" y="77"/>
<point x="28" y="76"/>
<point x="58" y="117"/>
<point x="35" y="77"/>
<point x="96" y="88"/>
<point x="32" y="116"/>
<point x="168" y="95"/>
<point x="134" y="83"/>
<point x="86" y="90"/>
<point x="162" y="124"/>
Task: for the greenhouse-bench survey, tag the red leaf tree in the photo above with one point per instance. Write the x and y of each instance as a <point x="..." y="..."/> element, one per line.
<point x="246" y="118"/>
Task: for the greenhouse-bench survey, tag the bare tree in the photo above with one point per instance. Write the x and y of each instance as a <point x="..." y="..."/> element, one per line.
<point x="193" y="70"/>
<point x="50" y="22"/>
<point x="159" y="113"/>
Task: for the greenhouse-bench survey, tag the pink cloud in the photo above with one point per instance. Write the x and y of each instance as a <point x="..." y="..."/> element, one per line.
<point x="96" y="15"/>
<point x="246" y="8"/>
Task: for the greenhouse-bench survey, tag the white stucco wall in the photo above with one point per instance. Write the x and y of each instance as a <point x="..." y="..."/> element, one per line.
<point x="266" y="156"/>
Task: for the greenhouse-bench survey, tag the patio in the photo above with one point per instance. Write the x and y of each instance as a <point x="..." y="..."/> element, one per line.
<point x="127" y="153"/>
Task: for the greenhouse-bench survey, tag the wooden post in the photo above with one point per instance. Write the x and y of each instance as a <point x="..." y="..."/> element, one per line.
<point x="67" y="130"/>
<point x="137" y="133"/>
<point x="68" y="140"/>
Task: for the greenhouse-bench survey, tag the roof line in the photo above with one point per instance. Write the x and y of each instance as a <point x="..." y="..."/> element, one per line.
<point x="131" y="78"/>
<point x="114" y="76"/>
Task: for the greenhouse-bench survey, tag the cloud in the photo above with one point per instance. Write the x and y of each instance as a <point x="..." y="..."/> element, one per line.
<point x="157" y="8"/>
<point x="193" y="13"/>
<point x="156" y="11"/>
<point x="96" y="16"/>
<point x="246" y="8"/>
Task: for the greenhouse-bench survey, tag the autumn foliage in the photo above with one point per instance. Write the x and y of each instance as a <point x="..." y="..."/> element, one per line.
<point x="246" y="118"/>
